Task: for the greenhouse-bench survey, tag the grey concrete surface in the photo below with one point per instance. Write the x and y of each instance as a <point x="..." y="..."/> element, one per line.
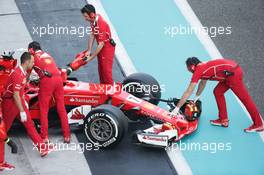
<point x="245" y="44"/>
<point x="66" y="158"/>
<point x="13" y="32"/>
<point x="19" y="160"/>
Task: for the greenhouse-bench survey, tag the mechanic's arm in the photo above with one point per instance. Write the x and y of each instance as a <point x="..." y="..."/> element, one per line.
<point x="201" y="87"/>
<point x="18" y="102"/>
<point x="186" y="95"/>
<point x="97" y="51"/>
<point x="90" y="44"/>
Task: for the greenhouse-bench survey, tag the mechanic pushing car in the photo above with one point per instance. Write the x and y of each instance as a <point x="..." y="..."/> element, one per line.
<point x="105" y="49"/>
<point x="51" y="85"/>
<point x="230" y="76"/>
<point x="14" y="104"/>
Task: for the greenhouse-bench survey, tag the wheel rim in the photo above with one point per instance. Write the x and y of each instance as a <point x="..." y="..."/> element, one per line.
<point x="101" y="129"/>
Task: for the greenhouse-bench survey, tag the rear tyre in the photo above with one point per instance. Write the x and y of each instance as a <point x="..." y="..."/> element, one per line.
<point x="143" y="86"/>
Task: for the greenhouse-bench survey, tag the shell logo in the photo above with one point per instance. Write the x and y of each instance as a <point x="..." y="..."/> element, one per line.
<point x="48" y="61"/>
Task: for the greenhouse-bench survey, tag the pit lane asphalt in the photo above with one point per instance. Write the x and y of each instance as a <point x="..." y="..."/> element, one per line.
<point x="245" y="47"/>
<point x="126" y="158"/>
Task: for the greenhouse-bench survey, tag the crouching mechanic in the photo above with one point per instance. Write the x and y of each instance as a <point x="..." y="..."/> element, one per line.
<point x="14" y="105"/>
<point x="105" y="49"/>
<point x="230" y="76"/>
<point x="51" y="85"/>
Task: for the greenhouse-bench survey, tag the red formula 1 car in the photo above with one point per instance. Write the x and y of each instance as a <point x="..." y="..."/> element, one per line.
<point x="103" y="110"/>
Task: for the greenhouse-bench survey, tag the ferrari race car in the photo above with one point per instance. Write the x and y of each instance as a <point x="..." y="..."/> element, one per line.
<point x="104" y="110"/>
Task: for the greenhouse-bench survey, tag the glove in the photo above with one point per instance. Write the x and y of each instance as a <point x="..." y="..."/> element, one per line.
<point x="196" y="98"/>
<point x="23" y="116"/>
<point x="69" y="70"/>
<point x="175" y="111"/>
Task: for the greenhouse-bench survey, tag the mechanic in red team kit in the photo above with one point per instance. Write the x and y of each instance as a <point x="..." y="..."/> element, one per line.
<point x="230" y="76"/>
<point x="106" y="46"/>
<point x="51" y="85"/>
<point x="14" y="104"/>
<point x="3" y="136"/>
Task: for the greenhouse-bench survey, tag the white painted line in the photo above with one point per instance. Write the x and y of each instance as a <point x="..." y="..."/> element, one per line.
<point x="120" y="52"/>
<point x="204" y="38"/>
<point x="179" y="162"/>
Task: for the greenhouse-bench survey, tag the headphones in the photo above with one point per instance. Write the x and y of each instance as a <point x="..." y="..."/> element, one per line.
<point x="191" y="68"/>
<point x="191" y="63"/>
<point x="91" y="14"/>
<point x="31" y="51"/>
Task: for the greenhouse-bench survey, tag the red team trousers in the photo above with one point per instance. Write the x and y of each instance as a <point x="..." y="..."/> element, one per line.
<point x="236" y="84"/>
<point x="52" y="87"/>
<point x="10" y="112"/>
<point x="105" y="64"/>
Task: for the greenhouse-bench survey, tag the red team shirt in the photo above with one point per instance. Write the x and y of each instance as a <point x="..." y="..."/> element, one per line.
<point x="43" y="61"/>
<point x="16" y="82"/>
<point x="213" y="70"/>
<point x="100" y="29"/>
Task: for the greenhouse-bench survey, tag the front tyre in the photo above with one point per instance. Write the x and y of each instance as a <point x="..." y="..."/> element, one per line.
<point x="105" y="126"/>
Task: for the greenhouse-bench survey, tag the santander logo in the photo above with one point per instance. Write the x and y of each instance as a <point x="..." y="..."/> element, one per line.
<point x="83" y="100"/>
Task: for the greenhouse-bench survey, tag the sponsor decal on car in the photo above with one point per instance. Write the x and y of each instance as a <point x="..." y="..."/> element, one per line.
<point x="156" y="138"/>
<point x="83" y="100"/>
